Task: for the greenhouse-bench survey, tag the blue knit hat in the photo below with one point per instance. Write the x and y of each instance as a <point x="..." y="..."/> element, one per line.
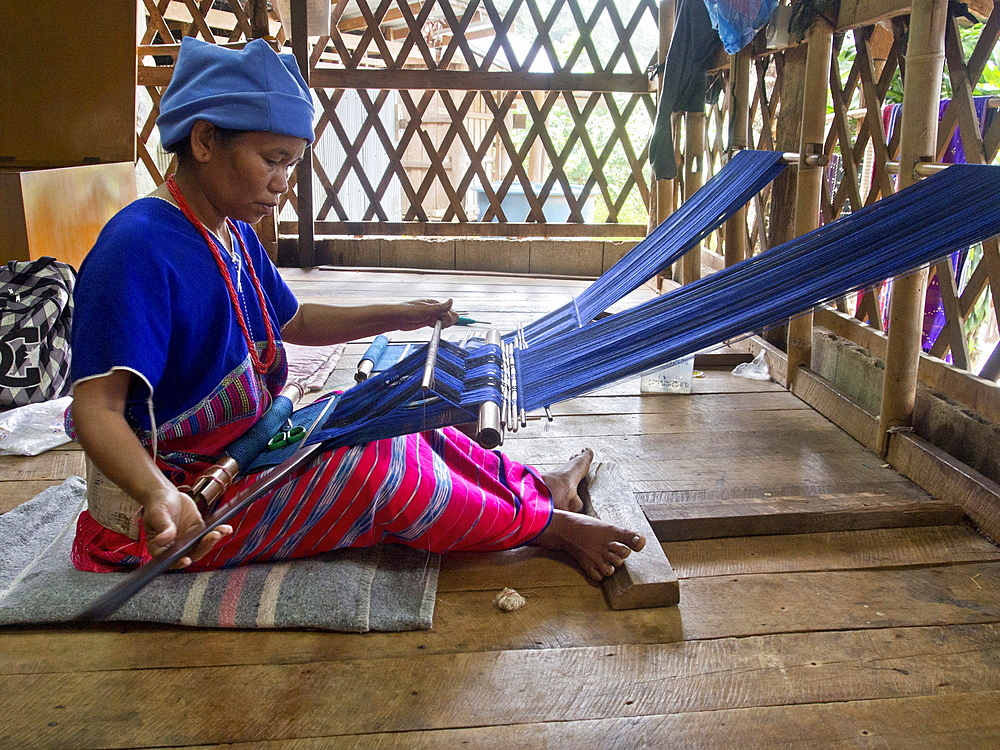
<point x="254" y="88"/>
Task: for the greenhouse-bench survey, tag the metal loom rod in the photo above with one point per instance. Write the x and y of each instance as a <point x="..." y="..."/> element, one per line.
<point x="432" y="354"/>
<point x="490" y="433"/>
<point x="213" y="483"/>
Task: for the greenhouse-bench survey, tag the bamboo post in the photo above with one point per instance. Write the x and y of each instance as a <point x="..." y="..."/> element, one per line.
<point x="739" y="113"/>
<point x="303" y="172"/>
<point x="819" y="53"/>
<point x="664" y="188"/>
<point x="694" y="178"/>
<point x="918" y="142"/>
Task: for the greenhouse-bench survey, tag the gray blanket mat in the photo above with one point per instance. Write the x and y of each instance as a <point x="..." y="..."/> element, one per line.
<point x="383" y="588"/>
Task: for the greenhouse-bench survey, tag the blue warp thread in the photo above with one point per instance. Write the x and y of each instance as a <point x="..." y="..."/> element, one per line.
<point x="896" y="235"/>
<point x="903" y="232"/>
<point x="745" y="175"/>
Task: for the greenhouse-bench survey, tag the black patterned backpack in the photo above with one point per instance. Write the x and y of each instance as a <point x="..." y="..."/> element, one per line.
<point x="36" y="305"/>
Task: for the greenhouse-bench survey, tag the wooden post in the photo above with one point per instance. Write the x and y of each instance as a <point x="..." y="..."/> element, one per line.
<point x="664" y="188"/>
<point x="918" y="142"/>
<point x="259" y="24"/>
<point x="536" y="156"/>
<point x="694" y="178"/>
<point x="809" y="185"/>
<point x="739" y="113"/>
<point x="304" y="172"/>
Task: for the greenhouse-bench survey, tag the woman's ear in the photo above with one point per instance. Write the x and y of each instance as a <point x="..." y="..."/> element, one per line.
<point x="203" y="140"/>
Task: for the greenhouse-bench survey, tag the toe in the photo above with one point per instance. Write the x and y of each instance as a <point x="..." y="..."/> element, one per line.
<point x="619" y="549"/>
<point x="613" y="559"/>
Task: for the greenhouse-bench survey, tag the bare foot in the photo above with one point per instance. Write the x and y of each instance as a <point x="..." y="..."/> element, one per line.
<point x="596" y="545"/>
<point x="565" y="481"/>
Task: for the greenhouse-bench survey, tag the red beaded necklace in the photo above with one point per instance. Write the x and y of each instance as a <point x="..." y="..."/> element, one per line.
<point x="260" y="364"/>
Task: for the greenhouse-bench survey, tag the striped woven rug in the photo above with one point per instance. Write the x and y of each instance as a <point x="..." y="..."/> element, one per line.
<point x="385" y="588"/>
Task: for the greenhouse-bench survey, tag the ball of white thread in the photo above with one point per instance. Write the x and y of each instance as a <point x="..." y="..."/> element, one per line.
<point x="508" y="600"/>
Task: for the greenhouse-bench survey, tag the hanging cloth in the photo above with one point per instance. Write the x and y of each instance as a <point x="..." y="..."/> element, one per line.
<point x="685" y="80"/>
<point x="738" y="20"/>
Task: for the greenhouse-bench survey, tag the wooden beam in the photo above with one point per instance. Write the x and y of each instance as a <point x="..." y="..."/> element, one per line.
<point x="664" y="193"/>
<point x="470" y="229"/>
<point x="802" y="514"/>
<point x="304" y="170"/>
<point x="855" y="13"/>
<point x="844" y="411"/>
<point x="450" y="80"/>
<point x="948" y="478"/>
<point x="694" y="177"/>
<point x="735" y="244"/>
<point x="475" y="80"/>
<point x="646" y="579"/>
<point x="809" y="188"/>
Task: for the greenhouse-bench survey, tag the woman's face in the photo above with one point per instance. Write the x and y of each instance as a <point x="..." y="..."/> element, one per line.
<point x="247" y="173"/>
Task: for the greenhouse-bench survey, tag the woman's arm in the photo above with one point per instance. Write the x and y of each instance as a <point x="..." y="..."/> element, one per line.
<point x="319" y="325"/>
<point x="99" y="419"/>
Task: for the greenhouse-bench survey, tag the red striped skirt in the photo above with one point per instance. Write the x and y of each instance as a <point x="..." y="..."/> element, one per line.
<point x="438" y="491"/>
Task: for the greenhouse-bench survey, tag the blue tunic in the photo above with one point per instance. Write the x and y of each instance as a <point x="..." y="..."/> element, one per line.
<point x="150" y="299"/>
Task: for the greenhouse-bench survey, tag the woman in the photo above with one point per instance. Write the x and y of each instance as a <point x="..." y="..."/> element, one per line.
<point x="177" y="344"/>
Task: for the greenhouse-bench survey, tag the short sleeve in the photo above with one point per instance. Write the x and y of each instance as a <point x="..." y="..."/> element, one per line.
<point x="122" y="307"/>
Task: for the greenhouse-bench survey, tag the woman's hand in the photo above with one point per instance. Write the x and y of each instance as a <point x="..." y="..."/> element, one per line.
<point x="170" y="515"/>
<point x="317" y="324"/>
<point x="419" y="313"/>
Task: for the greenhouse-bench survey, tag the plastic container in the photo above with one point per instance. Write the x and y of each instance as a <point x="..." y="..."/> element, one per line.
<point x="673" y="377"/>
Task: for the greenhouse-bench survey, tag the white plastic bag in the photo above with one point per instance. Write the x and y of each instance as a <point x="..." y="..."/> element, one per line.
<point x="34" y="428"/>
<point x="756" y="370"/>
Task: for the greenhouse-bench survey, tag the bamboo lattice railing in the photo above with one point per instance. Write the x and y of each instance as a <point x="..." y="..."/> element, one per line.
<point x="441" y="117"/>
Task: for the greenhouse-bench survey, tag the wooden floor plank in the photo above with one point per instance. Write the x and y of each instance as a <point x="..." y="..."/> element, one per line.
<point x="14" y="493"/>
<point x="930" y="722"/>
<point x="861" y="550"/>
<point x="261" y="702"/>
<point x="556" y="617"/>
<point x="880" y="637"/>
<point x="51" y="465"/>
<point x="706" y="402"/>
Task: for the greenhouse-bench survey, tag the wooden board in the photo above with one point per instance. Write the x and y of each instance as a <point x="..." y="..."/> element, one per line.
<point x="646" y="579"/>
<point x="937" y="472"/>
<point x="846" y="412"/>
<point x="51" y="465"/>
<point x="925" y="723"/>
<point x="15" y="493"/>
<point x="556" y="617"/>
<point x="340" y="697"/>
<point x="793" y="515"/>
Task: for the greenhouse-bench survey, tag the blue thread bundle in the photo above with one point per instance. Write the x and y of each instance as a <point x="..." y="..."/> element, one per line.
<point x="900" y="233"/>
<point x="393" y="403"/>
<point x="745" y="175"/>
